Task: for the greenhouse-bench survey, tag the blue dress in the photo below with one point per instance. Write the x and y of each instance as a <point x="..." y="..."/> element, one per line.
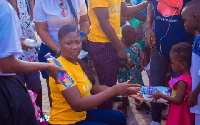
<point x="132" y="73"/>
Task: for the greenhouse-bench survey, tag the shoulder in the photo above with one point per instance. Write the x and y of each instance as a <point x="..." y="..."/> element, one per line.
<point x="5" y="8"/>
<point x="187" y="79"/>
<point x="196" y="45"/>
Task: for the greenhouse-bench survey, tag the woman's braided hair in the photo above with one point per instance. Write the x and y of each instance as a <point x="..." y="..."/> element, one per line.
<point x="73" y="11"/>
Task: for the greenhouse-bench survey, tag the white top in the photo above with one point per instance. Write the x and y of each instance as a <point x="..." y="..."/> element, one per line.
<point x="49" y="11"/>
<point x="195" y="69"/>
<point x="10" y="32"/>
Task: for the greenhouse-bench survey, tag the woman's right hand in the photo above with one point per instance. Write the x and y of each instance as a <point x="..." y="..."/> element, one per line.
<point x="126" y="89"/>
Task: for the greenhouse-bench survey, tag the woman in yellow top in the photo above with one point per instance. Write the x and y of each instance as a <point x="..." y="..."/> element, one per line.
<point x="75" y="104"/>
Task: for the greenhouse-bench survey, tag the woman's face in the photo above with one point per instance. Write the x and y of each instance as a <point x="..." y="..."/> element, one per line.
<point x="71" y="45"/>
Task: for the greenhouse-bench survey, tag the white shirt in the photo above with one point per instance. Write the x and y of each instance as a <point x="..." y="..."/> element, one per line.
<point x="195" y="71"/>
<point x="49" y="11"/>
<point x="10" y="33"/>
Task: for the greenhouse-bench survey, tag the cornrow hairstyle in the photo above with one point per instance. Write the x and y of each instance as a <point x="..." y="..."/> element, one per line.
<point x="183" y="51"/>
<point x="66" y="29"/>
<point x="72" y="10"/>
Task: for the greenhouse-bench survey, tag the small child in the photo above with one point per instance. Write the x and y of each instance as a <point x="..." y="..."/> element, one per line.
<point x="191" y="16"/>
<point x="130" y="70"/>
<point x="179" y="114"/>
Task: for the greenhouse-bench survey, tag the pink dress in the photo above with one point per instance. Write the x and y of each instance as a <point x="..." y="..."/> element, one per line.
<point x="180" y="114"/>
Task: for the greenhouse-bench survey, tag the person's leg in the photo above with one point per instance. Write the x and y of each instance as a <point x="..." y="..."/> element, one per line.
<point x="108" y="117"/>
<point x="16" y="106"/>
<point x="89" y="123"/>
<point x="106" y="61"/>
<point x="33" y="83"/>
<point x="158" y="71"/>
<point x="125" y="103"/>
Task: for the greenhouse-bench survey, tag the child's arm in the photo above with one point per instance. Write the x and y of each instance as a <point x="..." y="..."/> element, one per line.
<point x="193" y="96"/>
<point x="139" y="32"/>
<point x="177" y="99"/>
<point x="142" y="60"/>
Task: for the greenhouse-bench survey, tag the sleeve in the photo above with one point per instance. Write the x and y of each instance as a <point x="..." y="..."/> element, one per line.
<point x="39" y="14"/>
<point x="83" y="10"/>
<point x="10" y="32"/>
<point x="99" y="3"/>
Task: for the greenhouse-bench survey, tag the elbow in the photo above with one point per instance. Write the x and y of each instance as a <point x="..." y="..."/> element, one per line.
<point x="178" y="102"/>
<point x="78" y="108"/>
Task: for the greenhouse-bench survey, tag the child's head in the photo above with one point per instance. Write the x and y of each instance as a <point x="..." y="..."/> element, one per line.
<point x="129" y="34"/>
<point x="69" y="41"/>
<point x="180" y="56"/>
<point x="191" y="16"/>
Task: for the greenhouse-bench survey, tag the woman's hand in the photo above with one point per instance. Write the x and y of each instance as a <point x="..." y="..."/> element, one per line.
<point x="24" y="46"/>
<point x="156" y="96"/>
<point x="138" y="97"/>
<point x="126" y="89"/>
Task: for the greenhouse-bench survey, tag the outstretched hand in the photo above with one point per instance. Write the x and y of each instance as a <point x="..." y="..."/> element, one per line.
<point x="156" y="96"/>
<point x="126" y="89"/>
<point x="193" y="99"/>
<point x="53" y="70"/>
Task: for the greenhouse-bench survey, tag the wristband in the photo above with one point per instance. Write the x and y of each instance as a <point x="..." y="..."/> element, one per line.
<point x="82" y="34"/>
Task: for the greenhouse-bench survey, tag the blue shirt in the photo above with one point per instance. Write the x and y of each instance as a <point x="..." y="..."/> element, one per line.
<point x="169" y="26"/>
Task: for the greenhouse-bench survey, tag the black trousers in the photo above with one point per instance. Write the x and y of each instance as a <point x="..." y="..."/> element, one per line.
<point x="15" y="104"/>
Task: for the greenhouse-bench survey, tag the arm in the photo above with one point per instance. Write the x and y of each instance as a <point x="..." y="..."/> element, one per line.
<point x="149" y="35"/>
<point x="139" y="32"/>
<point x="128" y="11"/>
<point x="141" y="17"/>
<point x="41" y="28"/>
<point x="193" y="96"/>
<point x="177" y="99"/>
<point x="84" y="24"/>
<point x="12" y="65"/>
<point x="78" y="103"/>
<point x="14" y="4"/>
<point x="102" y="14"/>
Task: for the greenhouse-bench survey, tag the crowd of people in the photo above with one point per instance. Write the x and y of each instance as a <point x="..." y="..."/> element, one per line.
<point x="122" y="38"/>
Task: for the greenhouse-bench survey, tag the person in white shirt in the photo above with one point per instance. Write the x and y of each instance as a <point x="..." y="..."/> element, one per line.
<point x="16" y="107"/>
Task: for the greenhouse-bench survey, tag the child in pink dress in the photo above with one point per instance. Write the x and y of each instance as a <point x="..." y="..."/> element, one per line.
<point x="179" y="113"/>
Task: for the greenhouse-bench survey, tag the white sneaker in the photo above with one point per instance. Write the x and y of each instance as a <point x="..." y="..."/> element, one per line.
<point x="155" y="123"/>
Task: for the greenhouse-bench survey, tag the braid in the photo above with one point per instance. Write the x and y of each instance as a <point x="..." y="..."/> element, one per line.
<point x="72" y="10"/>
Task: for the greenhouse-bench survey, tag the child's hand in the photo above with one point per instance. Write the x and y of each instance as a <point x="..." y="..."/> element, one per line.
<point x="193" y="97"/>
<point x="156" y="96"/>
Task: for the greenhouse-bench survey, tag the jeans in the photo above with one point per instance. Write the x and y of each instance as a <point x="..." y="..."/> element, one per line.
<point x="103" y="117"/>
<point x="158" y="72"/>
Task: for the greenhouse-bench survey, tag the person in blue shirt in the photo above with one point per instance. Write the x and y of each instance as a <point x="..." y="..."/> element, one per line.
<point x="166" y="31"/>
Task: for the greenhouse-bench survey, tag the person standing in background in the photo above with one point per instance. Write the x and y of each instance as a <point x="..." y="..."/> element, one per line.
<point x="104" y="45"/>
<point x="166" y="31"/>
<point x="16" y="107"/>
<point x="32" y="80"/>
<point x="49" y="16"/>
